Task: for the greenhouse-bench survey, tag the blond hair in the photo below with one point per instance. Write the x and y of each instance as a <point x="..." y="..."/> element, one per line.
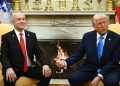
<point x="99" y="16"/>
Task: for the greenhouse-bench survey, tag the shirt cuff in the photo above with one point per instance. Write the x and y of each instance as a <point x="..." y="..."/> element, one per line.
<point x="45" y="66"/>
<point x="101" y="76"/>
<point x="65" y="67"/>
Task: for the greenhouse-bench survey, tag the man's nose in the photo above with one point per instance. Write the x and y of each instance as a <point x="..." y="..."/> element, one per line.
<point x="103" y="24"/>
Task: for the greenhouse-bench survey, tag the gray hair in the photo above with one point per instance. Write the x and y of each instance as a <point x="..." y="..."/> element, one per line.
<point x="14" y="16"/>
<point x="99" y="16"/>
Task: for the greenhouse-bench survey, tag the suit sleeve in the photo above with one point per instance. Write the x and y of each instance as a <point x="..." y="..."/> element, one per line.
<point x="4" y="53"/>
<point x="78" y="55"/>
<point x="38" y="53"/>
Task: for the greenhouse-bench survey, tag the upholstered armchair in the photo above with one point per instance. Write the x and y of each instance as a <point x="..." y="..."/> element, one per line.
<point x="115" y="28"/>
<point x="22" y="81"/>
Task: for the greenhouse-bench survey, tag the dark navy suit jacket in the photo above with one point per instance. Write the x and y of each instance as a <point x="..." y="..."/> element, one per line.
<point x="88" y="48"/>
<point x="11" y="53"/>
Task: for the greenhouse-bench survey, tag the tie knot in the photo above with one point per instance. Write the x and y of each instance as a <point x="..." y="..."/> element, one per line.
<point x="21" y="34"/>
<point x="101" y="37"/>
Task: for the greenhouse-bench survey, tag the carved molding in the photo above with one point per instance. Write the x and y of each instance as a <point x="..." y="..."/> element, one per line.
<point x="60" y="26"/>
<point x="76" y="21"/>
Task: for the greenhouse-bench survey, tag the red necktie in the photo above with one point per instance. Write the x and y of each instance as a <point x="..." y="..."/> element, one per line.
<point x="22" y="43"/>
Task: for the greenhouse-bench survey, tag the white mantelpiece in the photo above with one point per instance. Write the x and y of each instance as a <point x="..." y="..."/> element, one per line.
<point x="62" y="25"/>
<point x="66" y="12"/>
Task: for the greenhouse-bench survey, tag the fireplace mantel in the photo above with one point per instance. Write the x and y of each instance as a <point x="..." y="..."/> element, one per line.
<point x="61" y="24"/>
<point x="65" y="12"/>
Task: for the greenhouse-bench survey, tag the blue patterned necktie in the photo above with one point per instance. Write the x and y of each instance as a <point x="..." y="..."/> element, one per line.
<point x="100" y="48"/>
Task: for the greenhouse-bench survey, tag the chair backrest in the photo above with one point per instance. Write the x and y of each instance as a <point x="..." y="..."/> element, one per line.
<point x="115" y="28"/>
<point x="4" y="28"/>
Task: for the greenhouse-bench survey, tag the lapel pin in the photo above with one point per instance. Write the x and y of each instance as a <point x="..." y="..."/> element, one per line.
<point x="109" y="39"/>
<point x="28" y="34"/>
<point x="13" y="35"/>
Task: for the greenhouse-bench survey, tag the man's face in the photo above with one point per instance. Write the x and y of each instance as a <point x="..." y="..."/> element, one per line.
<point x="101" y="25"/>
<point x="19" y="22"/>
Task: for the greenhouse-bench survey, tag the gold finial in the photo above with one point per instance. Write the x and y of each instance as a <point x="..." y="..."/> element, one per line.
<point x="16" y="5"/>
<point x="48" y="6"/>
<point x="75" y="6"/>
<point x="37" y="5"/>
<point x="26" y="7"/>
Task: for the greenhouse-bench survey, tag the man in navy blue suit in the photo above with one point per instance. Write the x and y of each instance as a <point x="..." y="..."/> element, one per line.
<point x="94" y="68"/>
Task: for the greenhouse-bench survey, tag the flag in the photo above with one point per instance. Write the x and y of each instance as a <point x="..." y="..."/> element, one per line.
<point x="117" y="14"/>
<point x="5" y="8"/>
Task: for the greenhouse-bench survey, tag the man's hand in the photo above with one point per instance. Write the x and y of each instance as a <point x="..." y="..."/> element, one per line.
<point x="46" y="71"/>
<point x="96" y="81"/>
<point x="60" y="63"/>
<point x="10" y="75"/>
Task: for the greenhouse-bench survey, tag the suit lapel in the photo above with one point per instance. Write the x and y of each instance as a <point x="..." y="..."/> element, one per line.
<point x="95" y="46"/>
<point x="27" y="36"/>
<point x="107" y="45"/>
<point x="94" y="40"/>
<point x="16" y="41"/>
<point x="92" y="43"/>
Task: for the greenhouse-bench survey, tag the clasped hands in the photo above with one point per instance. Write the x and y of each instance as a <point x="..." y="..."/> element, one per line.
<point x="60" y="63"/>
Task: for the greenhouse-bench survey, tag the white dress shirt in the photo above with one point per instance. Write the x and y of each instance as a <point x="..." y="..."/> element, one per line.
<point x="18" y="36"/>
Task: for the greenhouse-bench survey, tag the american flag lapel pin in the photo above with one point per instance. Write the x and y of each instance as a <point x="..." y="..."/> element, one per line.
<point x="28" y="34"/>
<point x="109" y="39"/>
<point x="13" y="35"/>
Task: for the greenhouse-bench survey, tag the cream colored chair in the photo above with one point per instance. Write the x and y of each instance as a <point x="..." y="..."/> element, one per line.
<point x="1" y="78"/>
<point x="115" y="28"/>
<point x="3" y="29"/>
<point x="22" y="81"/>
<point x="89" y="83"/>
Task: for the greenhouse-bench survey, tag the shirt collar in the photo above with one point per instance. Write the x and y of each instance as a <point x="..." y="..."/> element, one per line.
<point x="17" y="32"/>
<point x="104" y="36"/>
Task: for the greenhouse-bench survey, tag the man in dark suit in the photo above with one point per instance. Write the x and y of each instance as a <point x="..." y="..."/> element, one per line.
<point x="18" y="51"/>
<point x="99" y="47"/>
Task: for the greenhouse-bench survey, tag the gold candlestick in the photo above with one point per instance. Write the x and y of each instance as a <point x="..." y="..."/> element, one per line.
<point x="88" y="5"/>
<point x="109" y="5"/>
<point x="48" y="6"/>
<point x="62" y="4"/>
<point x="75" y="6"/>
<point x="16" y="5"/>
<point x="26" y="7"/>
<point x="99" y="7"/>
<point x="37" y="5"/>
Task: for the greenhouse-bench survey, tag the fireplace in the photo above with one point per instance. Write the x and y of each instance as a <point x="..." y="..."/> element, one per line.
<point x="66" y="28"/>
<point x="51" y="49"/>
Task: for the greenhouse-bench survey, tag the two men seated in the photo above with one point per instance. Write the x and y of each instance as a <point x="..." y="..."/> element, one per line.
<point x="102" y="63"/>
